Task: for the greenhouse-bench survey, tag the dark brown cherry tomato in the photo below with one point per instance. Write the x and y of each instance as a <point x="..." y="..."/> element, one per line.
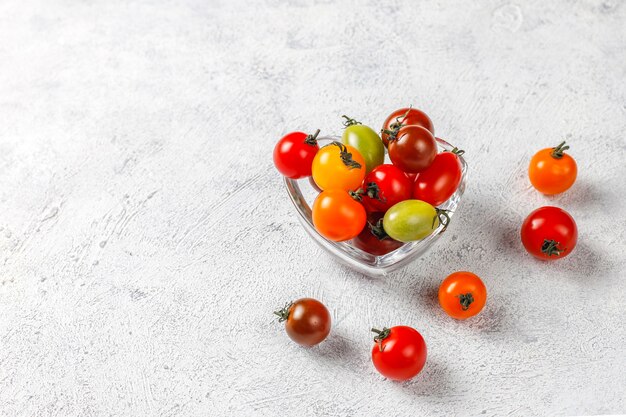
<point x="437" y="183"/>
<point x="413" y="149"/>
<point x="405" y="117"/>
<point x="373" y="239"/>
<point x="307" y="321"/>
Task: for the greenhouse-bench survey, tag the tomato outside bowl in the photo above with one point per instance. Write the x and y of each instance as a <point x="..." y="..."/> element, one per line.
<point x="302" y="194"/>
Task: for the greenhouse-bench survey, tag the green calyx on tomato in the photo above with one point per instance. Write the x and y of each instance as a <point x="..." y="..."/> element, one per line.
<point x="380" y="336"/>
<point x="365" y="140"/>
<point x="466" y="300"/>
<point x="346" y="157"/>
<point x="395" y="127"/>
<point x="551" y="248"/>
<point x="350" y="122"/>
<point x="312" y="139"/>
<point x="457" y="151"/>
<point x="557" y="152"/>
<point x="373" y="191"/>
<point x="357" y="195"/>
<point x="378" y="230"/>
<point x="283" y="313"/>
<point x="443" y="217"/>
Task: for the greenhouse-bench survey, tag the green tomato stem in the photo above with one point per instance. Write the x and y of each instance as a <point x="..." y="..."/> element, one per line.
<point x="557" y="152"/>
<point x="380" y="336"/>
<point x="551" y="248"/>
<point x="378" y="230"/>
<point x="283" y="313"/>
<point x="312" y="139"/>
<point x="465" y="300"/>
<point x="443" y="217"/>
<point x="349" y="121"/>
<point x="346" y="157"/>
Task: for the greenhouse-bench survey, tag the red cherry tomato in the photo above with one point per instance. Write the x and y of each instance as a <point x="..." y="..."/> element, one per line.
<point x="373" y="238"/>
<point x="413" y="149"/>
<point x="385" y="186"/>
<point x="405" y="117"/>
<point x="549" y="233"/>
<point x="399" y="352"/>
<point x="337" y="215"/>
<point x="437" y="183"/>
<point x="294" y="153"/>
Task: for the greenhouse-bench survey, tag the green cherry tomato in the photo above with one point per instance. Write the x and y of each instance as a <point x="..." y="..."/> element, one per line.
<point x="410" y="220"/>
<point x="366" y="141"/>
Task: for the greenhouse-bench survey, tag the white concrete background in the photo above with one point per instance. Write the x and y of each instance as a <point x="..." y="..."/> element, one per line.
<point x="145" y="237"/>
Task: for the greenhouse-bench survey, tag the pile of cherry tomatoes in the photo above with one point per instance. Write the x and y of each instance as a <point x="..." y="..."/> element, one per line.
<point x="379" y="205"/>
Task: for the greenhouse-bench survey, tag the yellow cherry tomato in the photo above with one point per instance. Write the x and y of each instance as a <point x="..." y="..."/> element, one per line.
<point x="338" y="166"/>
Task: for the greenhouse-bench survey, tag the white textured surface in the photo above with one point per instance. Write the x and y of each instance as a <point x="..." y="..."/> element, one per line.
<point x="145" y="238"/>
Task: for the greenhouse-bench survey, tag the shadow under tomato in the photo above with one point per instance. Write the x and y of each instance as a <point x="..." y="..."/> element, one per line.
<point x="583" y="195"/>
<point x="336" y="348"/>
<point x="585" y="263"/>
<point x="433" y="380"/>
<point x="427" y="296"/>
<point x="493" y="318"/>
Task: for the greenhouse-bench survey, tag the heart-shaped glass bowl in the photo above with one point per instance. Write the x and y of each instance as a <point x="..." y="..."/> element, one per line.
<point x="303" y="193"/>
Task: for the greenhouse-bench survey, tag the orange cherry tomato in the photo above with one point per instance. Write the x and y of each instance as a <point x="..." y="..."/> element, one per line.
<point x="462" y="295"/>
<point x="337" y="216"/>
<point x="552" y="171"/>
<point x="338" y="166"/>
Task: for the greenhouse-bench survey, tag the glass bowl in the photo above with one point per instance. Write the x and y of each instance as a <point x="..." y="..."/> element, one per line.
<point x="303" y="193"/>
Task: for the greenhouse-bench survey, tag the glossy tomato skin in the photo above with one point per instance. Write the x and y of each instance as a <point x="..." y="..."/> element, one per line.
<point x="549" y="224"/>
<point x="552" y="175"/>
<point x="462" y="295"/>
<point x="337" y="216"/>
<point x="392" y="186"/>
<point x="308" y="322"/>
<point x="329" y="170"/>
<point x="410" y="220"/>
<point x="372" y="241"/>
<point x="365" y="140"/>
<point x="401" y="355"/>
<point x="414" y="149"/>
<point x="439" y="181"/>
<point x="413" y="117"/>
<point x="293" y="155"/>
